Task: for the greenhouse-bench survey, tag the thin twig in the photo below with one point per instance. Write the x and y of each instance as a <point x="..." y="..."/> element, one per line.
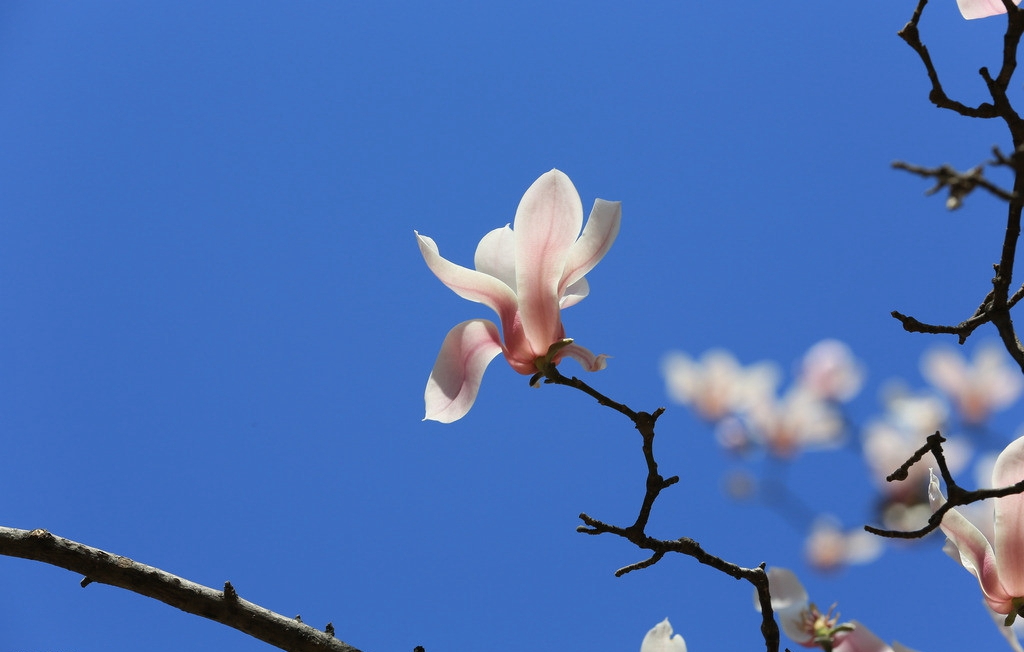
<point x="645" y="422"/>
<point x="957" y="495"/>
<point x="996" y="307"/>
<point x="959" y="184"/>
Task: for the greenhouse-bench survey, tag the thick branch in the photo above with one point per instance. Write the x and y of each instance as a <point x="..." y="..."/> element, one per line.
<point x="222" y="606"/>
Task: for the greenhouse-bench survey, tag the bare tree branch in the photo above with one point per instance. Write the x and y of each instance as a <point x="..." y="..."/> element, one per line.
<point x="644" y="422"/>
<point x="995" y="309"/>
<point x="959" y="184"/>
<point x="957" y="494"/>
<point x="224" y="606"/>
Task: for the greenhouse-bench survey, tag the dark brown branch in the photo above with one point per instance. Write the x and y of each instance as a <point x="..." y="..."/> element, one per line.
<point x="644" y="422"/>
<point x="962" y="330"/>
<point x="938" y="97"/>
<point x="225" y="606"/>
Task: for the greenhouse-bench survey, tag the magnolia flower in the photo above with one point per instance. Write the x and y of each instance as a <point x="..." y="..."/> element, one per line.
<point x="998" y="565"/>
<point x="982" y="8"/>
<point x="526" y="274"/>
<point x="802" y="622"/>
<point x="977" y="389"/>
<point x="660" y="639"/>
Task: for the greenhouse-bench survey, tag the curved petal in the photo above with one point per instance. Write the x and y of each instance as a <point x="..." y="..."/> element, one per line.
<point x="587" y="360"/>
<point x="575" y="293"/>
<point x="975" y="551"/>
<point x="496" y="255"/>
<point x="981" y="8"/>
<point x="547" y="223"/>
<point x="595" y="241"/>
<point x="1009" y="521"/>
<point x="861" y="639"/>
<point x="469" y="283"/>
<point x="660" y="639"/>
<point x="1009" y="633"/>
<point x="455" y="380"/>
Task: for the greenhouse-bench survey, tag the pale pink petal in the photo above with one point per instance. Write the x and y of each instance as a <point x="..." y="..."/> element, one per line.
<point x="453" y="385"/>
<point x="789" y="601"/>
<point x="587" y="360"/>
<point x="1009" y="633"/>
<point x="861" y="639"/>
<point x="976" y="553"/>
<point x="981" y="8"/>
<point x="598" y="235"/>
<point x="469" y="283"/>
<point x="1009" y="520"/>
<point x="660" y="639"/>
<point x="496" y="255"/>
<point x="547" y="223"/>
<point x="575" y="293"/>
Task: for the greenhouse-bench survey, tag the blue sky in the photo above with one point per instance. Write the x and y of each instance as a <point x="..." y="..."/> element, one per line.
<point x="215" y="325"/>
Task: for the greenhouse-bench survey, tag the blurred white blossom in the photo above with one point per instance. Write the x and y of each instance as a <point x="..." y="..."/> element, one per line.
<point x="717" y="385"/>
<point x="829" y="548"/>
<point x="977" y="388"/>
<point x="830" y="371"/>
<point x="797" y="421"/>
<point x="888" y="442"/>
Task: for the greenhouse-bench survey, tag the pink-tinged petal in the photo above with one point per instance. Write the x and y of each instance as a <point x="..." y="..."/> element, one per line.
<point x="587" y="360"/>
<point x="595" y="241"/>
<point x="981" y="8"/>
<point x="861" y="639"/>
<point x="660" y="639"/>
<point x="496" y="255"/>
<point x="1009" y="633"/>
<point x="547" y="223"/>
<point x="1009" y="519"/>
<point x="469" y="283"/>
<point x="453" y="385"/>
<point x="574" y="293"/>
<point x="976" y="553"/>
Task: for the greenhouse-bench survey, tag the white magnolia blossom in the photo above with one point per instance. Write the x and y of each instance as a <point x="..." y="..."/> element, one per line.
<point x="660" y="639"/>
<point x="977" y="388"/>
<point x="804" y="624"/>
